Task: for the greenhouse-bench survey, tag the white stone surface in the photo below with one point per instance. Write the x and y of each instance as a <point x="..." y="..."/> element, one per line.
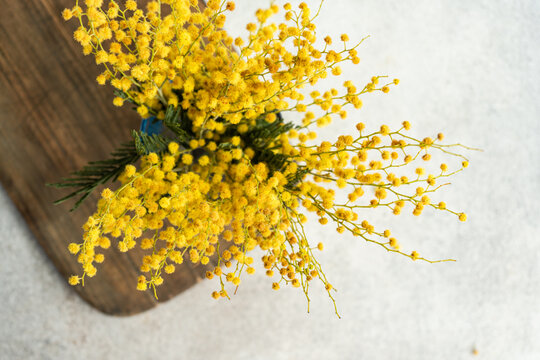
<point x="469" y="68"/>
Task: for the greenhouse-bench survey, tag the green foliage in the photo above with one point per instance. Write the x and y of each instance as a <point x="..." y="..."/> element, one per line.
<point x="296" y="178"/>
<point x="261" y="137"/>
<point x="177" y="121"/>
<point x="97" y="173"/>
<point x="274" y="161"/>
<point x="146" y="144"/>
<point x="263" y="133"/>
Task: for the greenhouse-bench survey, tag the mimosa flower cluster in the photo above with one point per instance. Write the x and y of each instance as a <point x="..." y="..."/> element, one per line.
<point x="234" y="176"/>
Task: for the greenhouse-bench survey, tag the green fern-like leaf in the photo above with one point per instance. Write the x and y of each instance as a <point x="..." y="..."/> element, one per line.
<point x="296" y="178"/>
<point x="274" y="161"/>
<point x="176" y="120"/>
<point x="263" y="133"/>
<point x="146" y="144"/>
<point x="96" y="173"/>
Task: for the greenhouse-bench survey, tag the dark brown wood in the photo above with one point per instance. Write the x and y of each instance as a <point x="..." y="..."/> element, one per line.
<point x="54" y="118"/>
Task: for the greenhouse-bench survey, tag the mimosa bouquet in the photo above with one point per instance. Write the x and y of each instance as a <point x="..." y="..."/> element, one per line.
<point x="216" y="170"/>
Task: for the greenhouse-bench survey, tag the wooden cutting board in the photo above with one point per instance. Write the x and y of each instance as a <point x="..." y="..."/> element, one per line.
<point x="54" y="118"/>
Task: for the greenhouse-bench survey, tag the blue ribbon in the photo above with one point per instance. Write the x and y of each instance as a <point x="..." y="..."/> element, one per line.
<point x="151" y="126"/>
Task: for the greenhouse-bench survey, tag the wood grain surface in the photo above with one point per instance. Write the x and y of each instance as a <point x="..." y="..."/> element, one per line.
<point x="54" y="118"/>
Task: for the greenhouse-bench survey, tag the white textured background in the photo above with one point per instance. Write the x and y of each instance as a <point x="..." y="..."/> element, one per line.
<point x="469" y="68"/>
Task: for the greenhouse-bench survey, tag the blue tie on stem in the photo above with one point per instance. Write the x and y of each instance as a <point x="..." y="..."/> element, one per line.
<point x="151" y="126"/>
